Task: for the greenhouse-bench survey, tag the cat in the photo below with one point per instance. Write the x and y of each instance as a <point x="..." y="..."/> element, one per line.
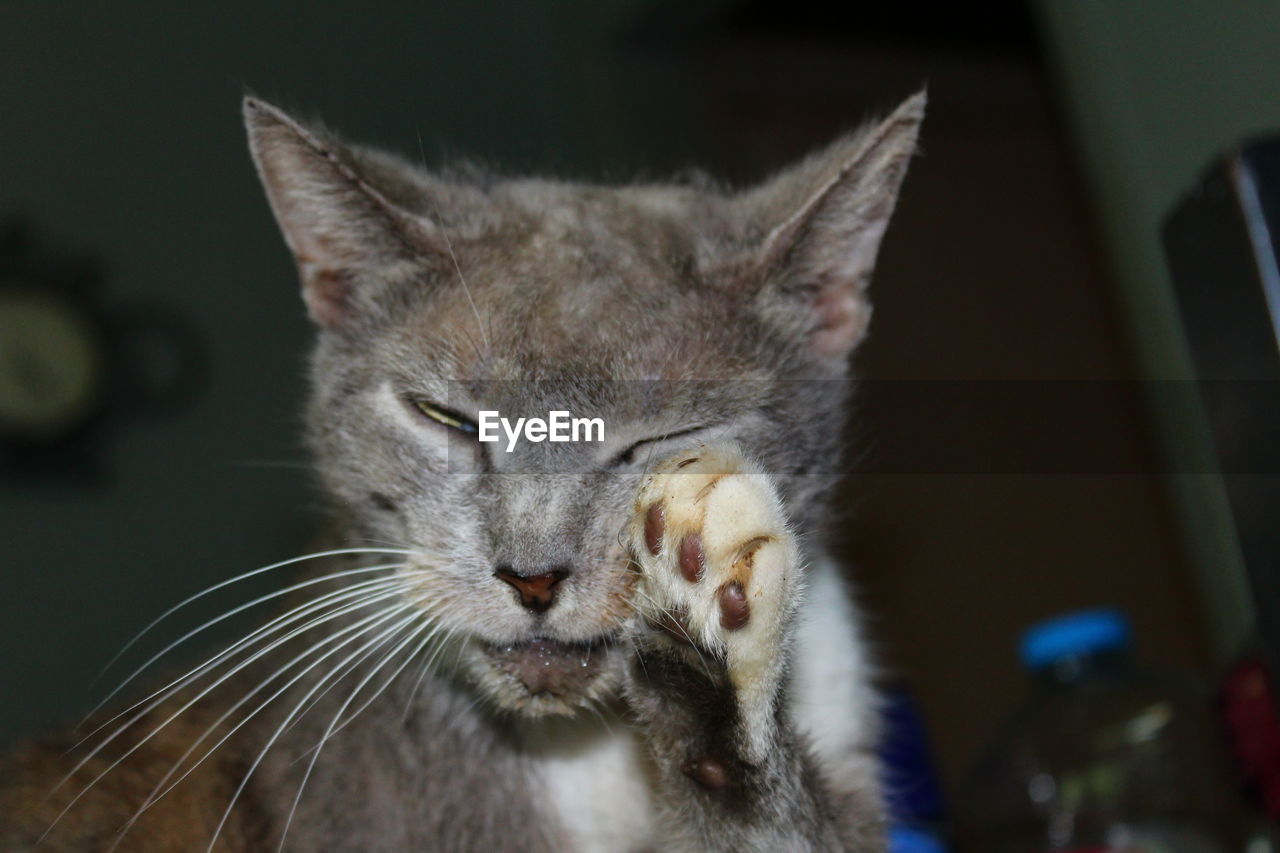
<point x="629" y="644"/>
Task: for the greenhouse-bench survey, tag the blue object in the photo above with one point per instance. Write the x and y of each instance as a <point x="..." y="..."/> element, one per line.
<point x="908" y="839"/>
<point x="1083" y="632"/>
<point x="910" y="781"/>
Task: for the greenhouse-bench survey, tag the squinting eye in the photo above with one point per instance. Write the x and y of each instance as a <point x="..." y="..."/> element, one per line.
<point x="445" y="417"/>
<point x="628" y="456"/>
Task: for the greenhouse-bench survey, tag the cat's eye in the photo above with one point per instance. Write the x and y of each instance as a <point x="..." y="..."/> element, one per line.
<point x="444" y="416"/>
<point x="628" y="456"/>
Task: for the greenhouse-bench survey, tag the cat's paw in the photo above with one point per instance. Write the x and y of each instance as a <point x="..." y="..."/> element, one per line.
<point x="719" y="568"/>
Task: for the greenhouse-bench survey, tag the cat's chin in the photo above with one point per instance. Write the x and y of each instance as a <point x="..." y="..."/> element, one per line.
<point x="546" y="677"/>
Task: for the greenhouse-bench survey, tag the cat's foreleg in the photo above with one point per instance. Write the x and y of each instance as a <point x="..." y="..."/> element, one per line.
<point x="718" y="590"/>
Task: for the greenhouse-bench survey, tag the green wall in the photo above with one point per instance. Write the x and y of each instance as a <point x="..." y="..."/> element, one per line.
<point x="1155" y="89"/>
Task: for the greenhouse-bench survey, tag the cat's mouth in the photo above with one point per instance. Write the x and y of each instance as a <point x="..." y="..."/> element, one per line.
<point x="551" y="668"/>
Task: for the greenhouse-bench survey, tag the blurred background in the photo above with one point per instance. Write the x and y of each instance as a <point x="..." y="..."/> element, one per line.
<point x="1024" y="264"/>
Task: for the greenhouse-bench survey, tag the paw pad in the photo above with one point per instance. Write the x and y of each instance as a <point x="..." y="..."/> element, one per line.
<point x="693" y="560"/>
<point x="655" y="524"/>
<point x="735" y="611"/>
<point x="718" y="567"/>
<point x="708" y="772"/>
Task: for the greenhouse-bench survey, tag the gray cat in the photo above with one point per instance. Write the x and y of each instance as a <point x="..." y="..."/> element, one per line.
<point x="623" y="644"/>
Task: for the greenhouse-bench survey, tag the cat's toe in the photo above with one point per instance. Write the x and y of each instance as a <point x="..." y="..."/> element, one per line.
<point x="719" y="567"/>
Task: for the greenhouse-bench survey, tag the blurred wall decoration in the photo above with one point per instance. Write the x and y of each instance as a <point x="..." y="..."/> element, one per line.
<point x="74" y="367"/>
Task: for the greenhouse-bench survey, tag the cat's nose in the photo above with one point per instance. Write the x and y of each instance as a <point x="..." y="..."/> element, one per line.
<point x="537" y="591"/>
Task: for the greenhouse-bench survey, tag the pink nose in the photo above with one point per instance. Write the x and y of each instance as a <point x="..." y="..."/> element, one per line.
<point x="537" y="592"/>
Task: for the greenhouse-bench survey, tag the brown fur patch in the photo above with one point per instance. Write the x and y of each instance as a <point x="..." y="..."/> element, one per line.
<point x="182" y="820"/>
<point x="619" y="606"/>
<point x="745" y="563"/>
<point x="708" y="488"/>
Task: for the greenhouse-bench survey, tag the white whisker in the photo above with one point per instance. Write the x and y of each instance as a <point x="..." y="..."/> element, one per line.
<point x="673" y="621"/>
<point x="281" y="728"/>
<point x="293" y="615"/>
<point x="432" y="633"/>
<point x="222" y="584"/>
<point x="333" y="724"/>
<point x="239" y="609"/>
<point x="426" y="610"/>
<point x="426" y="640"/>
<point x="357" y="631"/>
<point x="121" y="729"/>
<point x="426" y="668"/>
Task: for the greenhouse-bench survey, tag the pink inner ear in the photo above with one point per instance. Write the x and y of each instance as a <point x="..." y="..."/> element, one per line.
<point x="327" y="293"/>
<point x="840" y="321"/>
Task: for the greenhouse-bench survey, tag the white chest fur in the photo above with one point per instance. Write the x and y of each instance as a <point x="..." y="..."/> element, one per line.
<point x="597" y="786"/>
<point x="831" y="694"/>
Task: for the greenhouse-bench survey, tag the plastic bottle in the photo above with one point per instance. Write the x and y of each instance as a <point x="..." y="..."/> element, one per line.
<point x="1107" y="756"/>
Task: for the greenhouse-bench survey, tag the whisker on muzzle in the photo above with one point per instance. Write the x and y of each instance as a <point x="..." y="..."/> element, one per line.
<point x="336" y="552"/>
<point x="377" y="641"/>
<point x="227" y="615"/>
<point x="352" y="633"/>
<point x="393" y="589"/>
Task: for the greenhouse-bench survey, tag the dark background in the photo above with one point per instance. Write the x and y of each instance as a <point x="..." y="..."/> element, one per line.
<point x="1024" y="249"/>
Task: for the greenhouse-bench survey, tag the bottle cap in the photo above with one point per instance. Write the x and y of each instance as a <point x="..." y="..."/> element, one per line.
<point x="1075" y="634"/>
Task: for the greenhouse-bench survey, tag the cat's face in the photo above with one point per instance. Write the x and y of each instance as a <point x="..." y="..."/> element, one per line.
<point x="673" y="314"/>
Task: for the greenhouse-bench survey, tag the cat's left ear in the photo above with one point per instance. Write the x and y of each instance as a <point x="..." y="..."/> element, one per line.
<point x="825" y="218"/>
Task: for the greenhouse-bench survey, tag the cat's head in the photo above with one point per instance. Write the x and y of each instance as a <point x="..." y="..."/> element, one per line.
<point x="676" y="314"/>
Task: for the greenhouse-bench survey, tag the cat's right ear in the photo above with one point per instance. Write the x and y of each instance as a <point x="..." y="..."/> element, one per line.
<point x="340" y="228"/>
<point x="825" y="218"/>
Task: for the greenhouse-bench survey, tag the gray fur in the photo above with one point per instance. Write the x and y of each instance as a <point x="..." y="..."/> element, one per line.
<point x="660" y="308"/>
